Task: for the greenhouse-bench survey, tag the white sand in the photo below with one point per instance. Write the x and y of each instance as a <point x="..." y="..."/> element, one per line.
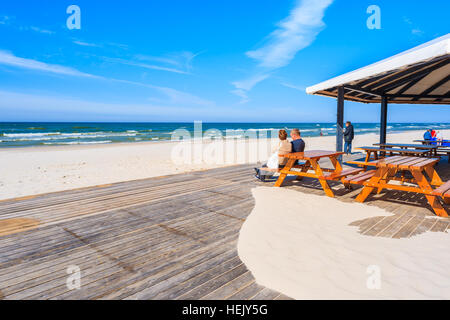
<point x="302" y="245"/>
<point x="36" y="170"/>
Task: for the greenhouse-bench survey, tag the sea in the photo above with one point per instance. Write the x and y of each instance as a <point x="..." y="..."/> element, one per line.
<point x="27" y="134"/>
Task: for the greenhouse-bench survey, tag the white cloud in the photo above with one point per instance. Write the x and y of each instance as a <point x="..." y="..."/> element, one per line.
<point x="9" y="59"/>
<point x="180" y="61"/>
<point x="5" y="20"/>
<point x="243" y="86"/>
<point x="37" y="29"/>
<point x="293" y="86"/>
<point x="85" y="44"/>
<point x="249" y="83"/>
<point x="172" y="95"/>
<point x="417" y="32"/>
<point x="30" y="107"/>
<point x="144" y="65"/>
<point x="242" y="94"/>
<point x="293" y="34"/>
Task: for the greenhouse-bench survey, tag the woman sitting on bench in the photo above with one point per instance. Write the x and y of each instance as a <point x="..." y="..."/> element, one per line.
<point x="275" y="161"/>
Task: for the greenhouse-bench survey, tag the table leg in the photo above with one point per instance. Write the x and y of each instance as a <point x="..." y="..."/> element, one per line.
<point x="323" y="182"/>
<point x="367" y="190"/>
<point x="290" y="163"/>
<point x="386" y="178"/>
<point x="433" y="175"/>
<point x="305" y="168"/>
<point x="426" y="187"/>
<point x="367" y="156"/>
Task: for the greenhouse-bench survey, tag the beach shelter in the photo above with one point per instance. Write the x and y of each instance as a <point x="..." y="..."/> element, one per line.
<point x="420" y="75"/>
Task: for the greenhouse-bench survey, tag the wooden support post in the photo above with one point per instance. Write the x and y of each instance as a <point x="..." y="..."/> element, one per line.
<point x="383" y="120"/>
<point x="340" y="120"/>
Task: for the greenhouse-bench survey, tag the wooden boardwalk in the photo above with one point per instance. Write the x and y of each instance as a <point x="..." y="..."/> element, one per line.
<point x="169" y="237"/>
<point x="163" y="238"/>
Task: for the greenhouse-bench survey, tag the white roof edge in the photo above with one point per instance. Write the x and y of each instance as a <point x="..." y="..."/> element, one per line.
<point x="429" y="50"/>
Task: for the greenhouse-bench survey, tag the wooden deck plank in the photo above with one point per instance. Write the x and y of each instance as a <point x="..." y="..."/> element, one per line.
<point x="168" y="237"/>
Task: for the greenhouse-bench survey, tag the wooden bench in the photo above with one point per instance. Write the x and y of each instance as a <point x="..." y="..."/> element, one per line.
<point x="340" y="174"/>
<point x="300" y="166"/>
<point x="443" y="191"/>
<point x="443" y="151"/>
<point x="359" y="178"/>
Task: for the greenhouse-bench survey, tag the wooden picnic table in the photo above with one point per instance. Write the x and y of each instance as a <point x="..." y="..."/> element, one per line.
<point x="431" y="148"/>
<point x="440" y="149"/>
<point x="424" y="177"/>
<point x="383" y="150"/>
<point x="434" y="142"/>
<point x="311" y="163"/>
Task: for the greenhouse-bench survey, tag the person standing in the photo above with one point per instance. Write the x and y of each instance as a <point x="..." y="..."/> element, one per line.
<point x="349" y="134"/>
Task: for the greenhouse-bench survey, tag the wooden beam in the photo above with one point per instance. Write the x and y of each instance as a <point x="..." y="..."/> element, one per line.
<point x="429" y="66"/>
<point x="445" y="96"/>
<point x="434" y="87"/>
<point x="383" y="120"/>
<point x="413" y="75"/>
<point x="340" y="119"/>
<point x="409" y="85"/>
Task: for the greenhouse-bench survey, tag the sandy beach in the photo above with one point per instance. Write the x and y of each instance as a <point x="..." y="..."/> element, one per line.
<point x="37" y="170"/>
<point x="294" y="243"/>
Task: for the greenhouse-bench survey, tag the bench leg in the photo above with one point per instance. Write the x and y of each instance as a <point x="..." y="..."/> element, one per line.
<point x="362" y="196"/>
<point x="436" y="205"/>
<point x="283" y="176"/>
<point x="323" y="182"/>
<point x="366" y="191"/>
<point x="432" y="200"/>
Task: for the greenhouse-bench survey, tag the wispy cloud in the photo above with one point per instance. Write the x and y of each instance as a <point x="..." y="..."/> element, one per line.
<point x="85" y="44"/>
<point x="417" y="32"/>
<point x="44" y="107"/>
<point x="181" y="61"/>
<point x="143" y="65"/>
<point x="11" y="22"/>
<point x="40" y="30"/>
<point x="243" y="86"/>
<point x="414" y="29"/>
<point x="9" y="59"/>
<point x="293" y="34"/>
<point x="5" y="19"/>
<point x="293" y="86"/>
<point x="171" y="95"/>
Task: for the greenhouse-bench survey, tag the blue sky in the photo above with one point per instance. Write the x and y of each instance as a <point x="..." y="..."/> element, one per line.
<point x="235" y="60"/>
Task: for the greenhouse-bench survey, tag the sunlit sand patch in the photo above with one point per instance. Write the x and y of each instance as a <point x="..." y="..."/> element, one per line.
<point x="304" y="246"/>
<point x="16" y="225"/>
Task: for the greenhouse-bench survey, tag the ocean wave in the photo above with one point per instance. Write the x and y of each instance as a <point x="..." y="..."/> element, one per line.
<point x="77" y="142"/>
<point x="40" y="134"/>
<point x="59" y="135"/>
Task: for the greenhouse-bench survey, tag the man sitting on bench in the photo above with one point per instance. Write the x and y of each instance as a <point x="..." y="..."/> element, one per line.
<point x="297" y="145"/>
